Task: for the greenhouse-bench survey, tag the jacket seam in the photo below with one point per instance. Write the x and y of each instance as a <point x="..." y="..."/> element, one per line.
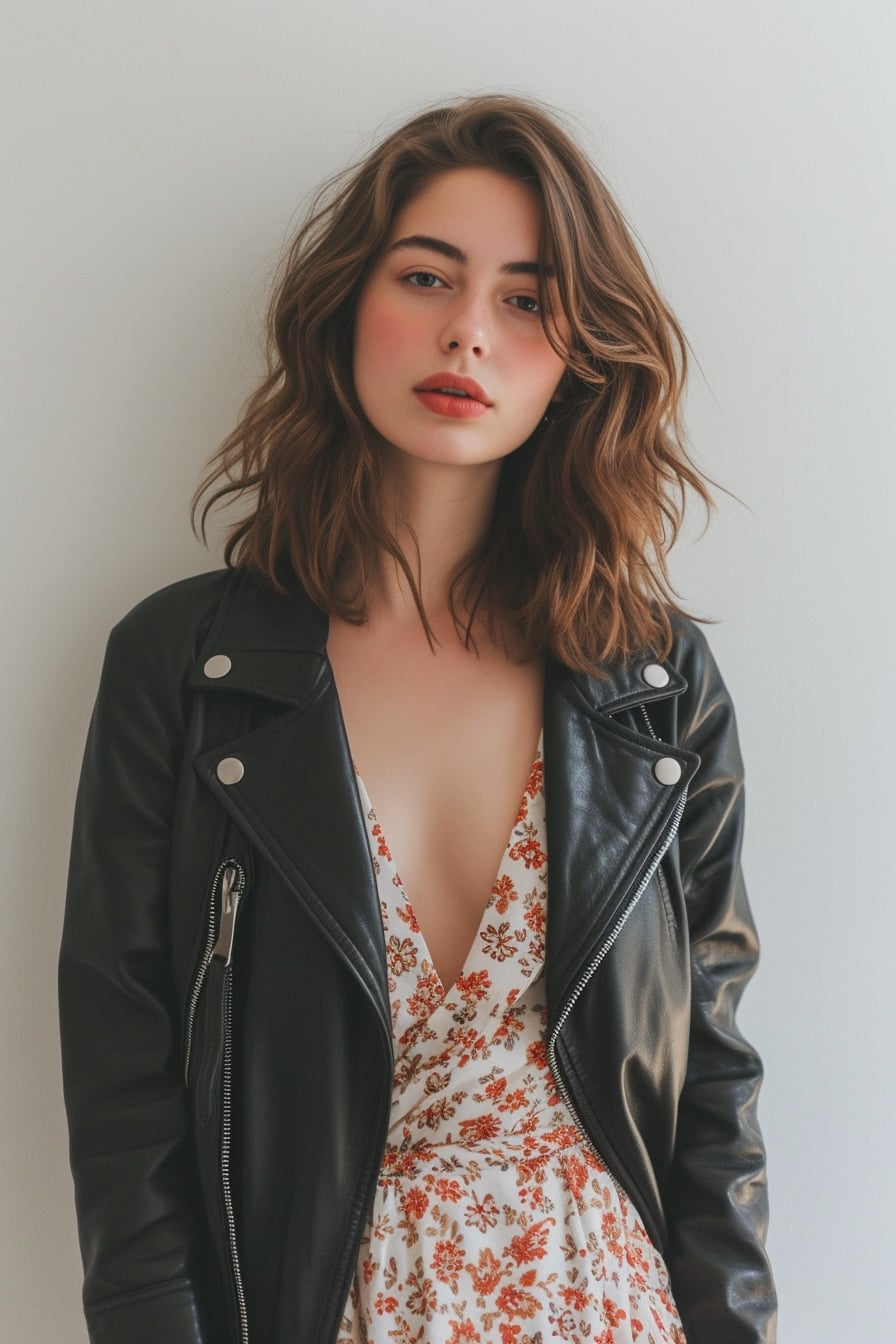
<point x="150" y="1293"/>
<point x="671" y="921"/>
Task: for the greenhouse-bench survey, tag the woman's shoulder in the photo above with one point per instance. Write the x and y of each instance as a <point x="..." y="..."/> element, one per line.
<point x="690" y="652"/>
<point x="156" y="643"/>
<point x="151" y="653"/>
<point x="169" y="629"/>
<point x="704" y="709"/>
<point x="179" y="613"/>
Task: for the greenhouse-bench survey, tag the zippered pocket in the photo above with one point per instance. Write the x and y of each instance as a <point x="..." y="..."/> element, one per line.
<point x="227" y="892"/>
<point x="208" y="1053"/>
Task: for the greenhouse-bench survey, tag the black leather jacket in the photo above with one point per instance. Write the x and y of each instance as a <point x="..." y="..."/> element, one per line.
<point x="222" y="927"/>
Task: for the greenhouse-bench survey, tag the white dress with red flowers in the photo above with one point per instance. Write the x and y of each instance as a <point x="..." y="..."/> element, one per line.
<point x="494" y="1221"/>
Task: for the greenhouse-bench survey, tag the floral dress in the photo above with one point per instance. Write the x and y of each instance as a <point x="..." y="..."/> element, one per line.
<point x="494" y="1221"/>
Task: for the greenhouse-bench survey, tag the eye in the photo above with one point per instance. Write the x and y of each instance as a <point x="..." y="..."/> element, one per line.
<point x="527" y="303"/>
<point x="422" y="279"/>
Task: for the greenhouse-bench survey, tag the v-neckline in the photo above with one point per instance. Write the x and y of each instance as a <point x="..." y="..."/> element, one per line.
<point x="370" y="811"/>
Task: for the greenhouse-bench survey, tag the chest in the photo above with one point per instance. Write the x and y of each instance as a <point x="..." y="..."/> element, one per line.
<point x="445" y="746"/>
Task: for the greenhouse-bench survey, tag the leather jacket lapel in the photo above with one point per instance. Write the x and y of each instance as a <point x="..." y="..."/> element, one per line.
<point x="607" y="815"/>
<point x="296" y="797"/>
<point x="298" y="802"/>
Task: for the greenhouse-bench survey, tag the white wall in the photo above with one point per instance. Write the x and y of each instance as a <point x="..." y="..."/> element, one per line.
<point x="153" y="158"/>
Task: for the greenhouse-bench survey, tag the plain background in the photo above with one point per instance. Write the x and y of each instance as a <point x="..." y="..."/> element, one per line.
<point x="153" y="161"/>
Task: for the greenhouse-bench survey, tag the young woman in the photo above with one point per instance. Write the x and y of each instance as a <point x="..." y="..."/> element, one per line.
<point x="405" y="927"/>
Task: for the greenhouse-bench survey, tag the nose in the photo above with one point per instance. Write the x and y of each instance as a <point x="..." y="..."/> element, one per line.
<point x="466" y="329"/>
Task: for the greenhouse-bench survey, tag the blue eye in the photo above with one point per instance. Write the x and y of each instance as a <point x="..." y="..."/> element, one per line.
<point x="423" y="279"/>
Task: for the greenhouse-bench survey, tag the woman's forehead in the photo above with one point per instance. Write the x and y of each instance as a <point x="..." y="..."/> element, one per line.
<point x="474" y="209"/>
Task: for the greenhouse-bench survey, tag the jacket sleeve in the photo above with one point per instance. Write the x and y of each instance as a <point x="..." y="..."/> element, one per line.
<point x="135" y="1186"/>
<point x="716" y="1197"/>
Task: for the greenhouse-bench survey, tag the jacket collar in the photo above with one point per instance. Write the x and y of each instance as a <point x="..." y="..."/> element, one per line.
<point x="298" y="802"/>
<point x="274" y="644"/>
<point x="276" y="647"/>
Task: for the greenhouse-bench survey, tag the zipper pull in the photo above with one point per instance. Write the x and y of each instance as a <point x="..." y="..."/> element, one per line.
<point x="231" y="891"/>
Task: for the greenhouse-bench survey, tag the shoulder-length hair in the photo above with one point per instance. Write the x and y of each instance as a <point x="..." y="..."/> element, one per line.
<point x="574" y="562"/>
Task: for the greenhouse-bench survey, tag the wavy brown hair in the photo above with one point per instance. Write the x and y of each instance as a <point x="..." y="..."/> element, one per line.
<point x="574" y="561"/>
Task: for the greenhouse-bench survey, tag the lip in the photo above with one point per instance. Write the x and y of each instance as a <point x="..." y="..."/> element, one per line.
<point x="436" y="381"/>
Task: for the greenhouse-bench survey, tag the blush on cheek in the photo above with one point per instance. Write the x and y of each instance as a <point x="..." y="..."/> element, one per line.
<point x="540" y="372"/>
<point x="380" y="331"/>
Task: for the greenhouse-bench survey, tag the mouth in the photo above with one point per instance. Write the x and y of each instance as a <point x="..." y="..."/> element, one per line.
<point x="455" y="386"/>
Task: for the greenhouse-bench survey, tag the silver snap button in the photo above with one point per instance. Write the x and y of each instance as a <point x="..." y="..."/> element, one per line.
<point x="230" y="770"/>
<point x="655" y="675"/>
<point x="218" y="666"/>
<point x="667" y="770"/>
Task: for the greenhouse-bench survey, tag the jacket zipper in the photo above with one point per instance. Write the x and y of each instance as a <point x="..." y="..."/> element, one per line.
<point x="225" y="1158"/>
<point x="646" y="718"/>
<point x="601" y="954"/>
<point x="228" y="875"/>
<point x="227" y="890"/>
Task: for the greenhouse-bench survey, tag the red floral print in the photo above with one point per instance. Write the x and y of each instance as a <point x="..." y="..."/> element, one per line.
<point x="503" y="892"/>
<point x="528" y="848"/>
<point x="535" y="782"/>
<point x="474" y="986"/>
<point x="486" y="1274"/>
<point x="515" y="1301"/>
<point x="382" y="848"/>
<point x="515" y="1100"/>
<point x="536" y="919"/>
<point x="483" y="1215"/>
<point x="496" y="1088"/>
<point x="494" y="1221"/>
<point x="401" y="955"/>
<point x="423" y="1300"/>
<point x="479" y="1128"/>
<point x="534" y="786"/>
<point x="447" y="1262"/>
<point x="404" y="912"/>
<point x="612" y="1313"/>
<point x="463" y="1331"/>
<point x="498" y="943"/>
<point x="576" y="1298"/>
<point x="415" y="1202"/>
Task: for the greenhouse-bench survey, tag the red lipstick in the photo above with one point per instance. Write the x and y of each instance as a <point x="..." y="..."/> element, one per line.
<point x="453" y="395"/>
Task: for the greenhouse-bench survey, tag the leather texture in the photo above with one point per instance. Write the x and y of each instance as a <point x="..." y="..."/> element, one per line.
<point x="228" y="1207"/>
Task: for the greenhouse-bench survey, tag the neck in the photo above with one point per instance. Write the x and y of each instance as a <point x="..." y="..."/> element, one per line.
<point x="447" y="508"/>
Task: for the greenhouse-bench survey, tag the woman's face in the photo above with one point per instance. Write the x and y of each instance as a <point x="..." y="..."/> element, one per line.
<point x="451" y="360"/>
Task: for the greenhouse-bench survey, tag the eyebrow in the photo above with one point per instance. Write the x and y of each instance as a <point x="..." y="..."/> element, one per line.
<point x="422" y="240"/>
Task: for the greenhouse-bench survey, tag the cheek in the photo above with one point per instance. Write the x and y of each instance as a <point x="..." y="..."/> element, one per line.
<point x="546" y="366"/>
<point x="539" y="371"/>
<point x="382" y="332"/>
